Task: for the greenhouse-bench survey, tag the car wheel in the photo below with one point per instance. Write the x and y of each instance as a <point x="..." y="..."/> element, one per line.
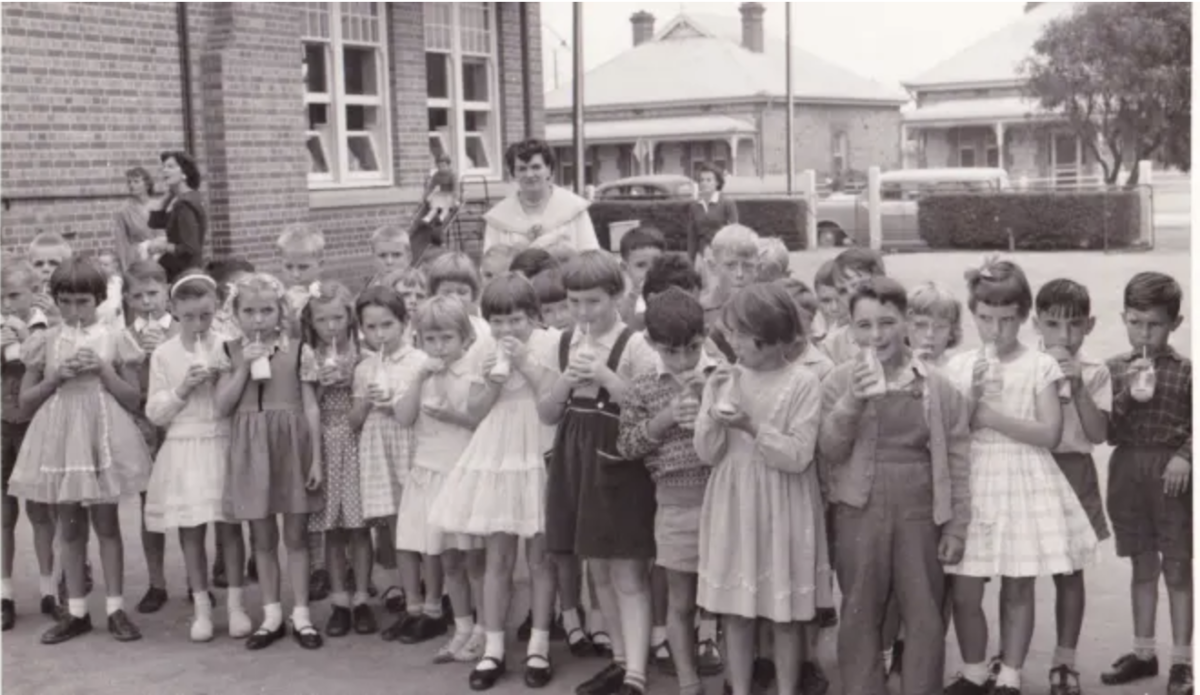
<point x="829" y="235"/>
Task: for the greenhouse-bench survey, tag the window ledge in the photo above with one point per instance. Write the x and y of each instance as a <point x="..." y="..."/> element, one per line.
<point x="334" y="198"/>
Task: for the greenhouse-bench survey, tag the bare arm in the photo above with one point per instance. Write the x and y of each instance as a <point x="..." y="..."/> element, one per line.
<point x="230" y="387"/>
<point x="1045" y="432"/>
<point x="408" y="406"/>
<point x="37" y="387"/>
<point x="1093" y="420"/>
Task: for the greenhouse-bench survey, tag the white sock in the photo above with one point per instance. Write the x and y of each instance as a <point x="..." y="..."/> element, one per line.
<point x="77" y="607"/>
<point x="463" y="626"/>
<point x="976" y="673"/>
<point x="340" y="599"/>
<point x="301" y="617"/>
<point x="360" y="598"/>
<point x="233" y="599"/>
<point x="6" y="589"/>
<point x="478" y="630"/>
<point x="658" y="636"/>
<point x="708" y="629"/>
<point x="272" y="616"/>
<point x="570" y="620"/>
<point x="539" y="642"/>
<point x="47" y="585"/>
<point x="202" y="604"/>
<point x="1009" y="677"/>
<point x="494" y="648"/>
<point x="112" y="604"/>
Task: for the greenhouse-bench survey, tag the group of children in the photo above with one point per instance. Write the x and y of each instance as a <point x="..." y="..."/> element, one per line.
<point x="706" y="453"/>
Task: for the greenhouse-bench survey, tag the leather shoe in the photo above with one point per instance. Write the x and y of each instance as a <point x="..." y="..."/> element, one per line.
<point x="68" y="627"/>
<point x="1130" y="668"/>
<point x="486" y="679"/>
<point x="422" y="628"/>
<point x="153" y="601"/>
<point x="307" y="637"/>
<point x="8" y="610"/>
<point x="604" y="683"/>
<point x="263" y="638"/>
<point x="364" y="620"/>
<point x="538" y="676"/>
<point x="339" y="622"/>
<point x="122" y="628"/>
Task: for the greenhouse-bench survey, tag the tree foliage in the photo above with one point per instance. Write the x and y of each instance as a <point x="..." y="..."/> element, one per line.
<point x="1121" y="74"/>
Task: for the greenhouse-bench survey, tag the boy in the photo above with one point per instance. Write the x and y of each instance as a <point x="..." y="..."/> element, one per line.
<point x="552" y="295"/>
<point x="656" y="423"/>
<point x="773" y="259"/>
<point x="441" y="191"/>
<point x="851" y="269"/>
<point x="1149" y="480"/>
<point x="532" y="261"/>
<point x="47" y="252"/>
<point x="831" y="311"/>
<point x="391" y="250"/>
<point x="1064" y="319"/>
<point x="496" y="261"/>
<point x="21" y="319"/>
<point x="639" y="247"/>
<point x="735" y="265"/>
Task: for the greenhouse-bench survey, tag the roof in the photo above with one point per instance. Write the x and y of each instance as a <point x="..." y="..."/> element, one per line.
<point x="996" y="57"/>
<point x="631" y="129"/>
<point x="698" y="58"/>
<point x="968" y="110"/>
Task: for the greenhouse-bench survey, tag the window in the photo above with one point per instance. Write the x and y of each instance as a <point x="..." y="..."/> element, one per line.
<point x="709" y="152"/>
<point x="461" y="85"/>
<point x="966" y="156"/>
<point x="840" y="160"/>
<point x="345" y="93"/>
<point x="566" y="166"/>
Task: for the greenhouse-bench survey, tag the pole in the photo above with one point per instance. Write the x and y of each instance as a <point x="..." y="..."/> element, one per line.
<point x="577" y="98"/>
<point x="526" y="70"/>
<point x="791" y="102"/>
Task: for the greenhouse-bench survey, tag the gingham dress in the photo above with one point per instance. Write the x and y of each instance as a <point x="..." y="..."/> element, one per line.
<point x="1025" y="519"/>
<point x="385" y="449"/>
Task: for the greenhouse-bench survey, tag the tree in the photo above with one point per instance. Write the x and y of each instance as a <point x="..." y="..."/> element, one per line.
<point x="1121" y="74"/>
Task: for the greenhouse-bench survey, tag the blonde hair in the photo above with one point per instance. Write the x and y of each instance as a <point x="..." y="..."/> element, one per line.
<point x="454" y="267"/>
<point x="935" y="301"/>
<point x="406" y="277"/>
<point x="17" y="269"/>
<point x="737" y="240"/>
<point x="390" y="233"/>
<point x="301" y="238"/>
<point x="256" y="283"/>
<point x="562" y="252"/>
<point x="444" y="314"/>
<point x="52" y="240"/>
<point x="773" y="252"/>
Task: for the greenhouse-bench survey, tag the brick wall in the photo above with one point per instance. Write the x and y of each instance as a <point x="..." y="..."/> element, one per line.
<point x="873" y="134"/>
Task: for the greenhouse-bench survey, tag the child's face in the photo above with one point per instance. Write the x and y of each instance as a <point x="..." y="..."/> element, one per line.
<point x="1057" y="330"/>
<point x="850" y="280"/>
<point x="17" y="298"/>
<point x="736" y="270"/>
<point x="331" y="321"/>
<point x="45" y="261"/>
<point x="638" y="264"/>
<point x="382" y="328"/>
<point x="517" y="325"/>
<point x="147" y="297"/>
<point x="592" y="307"/>
<point x="458" y="290"/>
<point x="194" y="316"/>
<point x="107" y="263"/>
<point x="412" y="296"/>
<point x="1149" y="329"/>
<point x="680" y="359"/>
<point x="930" y="336"/>
<point x="558" y="315"/>
<point x="392" y="255"/>
<point x="751" y="354"/>
<point x="77" y="308"/>
<point x="492" y="267"/>
<point x="301" y="268"/>
<point x="258" y="313"/>
<point x="446" y="345"/>
<point x="830" y="303"/>
<point x="880" y="326"/>
<point x="998" y="324"/>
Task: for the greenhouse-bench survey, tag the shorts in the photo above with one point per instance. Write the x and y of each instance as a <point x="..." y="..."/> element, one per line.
<point x="11" y="436"/>
<point x="677" y="537"/>
<point x="1144" y="518"/>
<point x="1080" y="471"/>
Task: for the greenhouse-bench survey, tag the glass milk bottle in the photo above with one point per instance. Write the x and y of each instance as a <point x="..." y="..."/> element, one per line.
<point x="503" y="367"/>
<point x="1142" y="382"/>
<point x="727" y="394"/>
<point x="200" y="350"/>
<point x="878" y="386"/>
<point x="260" y="369"/>
<point x="993" y="378"/>
<point x="691" y="395"/>
<point x="1064" y="384"/>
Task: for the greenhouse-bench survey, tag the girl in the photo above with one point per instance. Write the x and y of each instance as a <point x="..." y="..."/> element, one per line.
<point x="385" y="447"/>
<point x="763" y="549"/>
<point x="187" y="485"/>
<point x="436" y="406"/>
<point x="327" y="361"/>
<point x="934" y="323"/>
<point x="497" y="489"/>
<point x="1026" y="521"/>
<point x="274" y="462"/>
<point x="82" y="377"/>
<point x="454" y="275"/>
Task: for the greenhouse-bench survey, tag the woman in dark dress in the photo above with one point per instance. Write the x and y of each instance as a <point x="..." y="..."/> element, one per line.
<point x="710" y="211"/>
<point x="182" y="216"/>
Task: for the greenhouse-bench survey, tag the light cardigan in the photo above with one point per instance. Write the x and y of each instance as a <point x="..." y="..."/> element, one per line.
<point x="564" y="220"/>
<point x="848" y="437"/>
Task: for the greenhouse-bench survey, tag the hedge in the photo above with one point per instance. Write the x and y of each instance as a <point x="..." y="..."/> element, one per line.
<point x="1036" y="220"/>
<point x="769" y="216"/>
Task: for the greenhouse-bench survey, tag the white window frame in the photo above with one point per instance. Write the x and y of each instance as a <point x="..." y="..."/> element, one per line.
<point x="337" y="154"/>
<point x="456" y="105"/>
<point x="839" y="161"/>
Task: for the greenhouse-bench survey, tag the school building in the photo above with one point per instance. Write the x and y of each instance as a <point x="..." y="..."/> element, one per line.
<point x="321" y="112"/>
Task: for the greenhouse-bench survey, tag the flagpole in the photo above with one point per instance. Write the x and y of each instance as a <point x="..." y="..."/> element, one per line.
<point x="577" y="98"/>
<point x="791" y="102"/>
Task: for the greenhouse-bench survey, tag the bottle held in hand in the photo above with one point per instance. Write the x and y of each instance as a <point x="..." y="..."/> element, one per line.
<point x="12" y="353"/>
<point x="200" y="350"/>
<point x="727" y="395"/>
<point x="260" y="369"/>
<point x="878" y="386"/>
<point x="691" y="396"/>
<point x="993" y="378"/>
<point x="1143" y="381"/>
<point x="503" y="367"/>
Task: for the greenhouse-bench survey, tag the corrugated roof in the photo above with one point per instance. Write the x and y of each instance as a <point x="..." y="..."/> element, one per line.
<point x="713" y="66"/>
<point x="996" y="57"/>
<point x="970" y="110"/>
<point x="631" y="129"/>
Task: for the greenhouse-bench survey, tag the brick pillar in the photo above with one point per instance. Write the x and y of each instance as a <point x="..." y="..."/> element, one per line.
<point x="253" y="110"/>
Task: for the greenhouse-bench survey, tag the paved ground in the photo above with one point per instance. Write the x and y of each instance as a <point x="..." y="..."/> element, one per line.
<point x="166" y="663"/>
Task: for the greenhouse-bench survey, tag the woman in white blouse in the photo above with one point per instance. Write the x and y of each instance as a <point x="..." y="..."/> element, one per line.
<point x="538" y="214"/>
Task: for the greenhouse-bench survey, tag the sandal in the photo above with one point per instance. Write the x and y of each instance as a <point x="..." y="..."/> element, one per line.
<point x="603" y="649"/>
<point x="393" y="599"/>
<point x="580" y="644"/>
<point x="538" y="676"/>
<point x="486" y="679"/>
<point x="307" y="637"/>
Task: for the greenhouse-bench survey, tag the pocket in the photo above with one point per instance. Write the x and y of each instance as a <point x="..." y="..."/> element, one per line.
<point x="612" y="470"/>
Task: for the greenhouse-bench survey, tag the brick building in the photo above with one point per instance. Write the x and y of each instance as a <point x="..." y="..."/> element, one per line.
<point x="325" y="112"/>
<point x="711" y="88"/>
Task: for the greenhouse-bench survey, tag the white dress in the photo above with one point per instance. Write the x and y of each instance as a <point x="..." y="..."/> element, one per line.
<point x="187" y="483"/>
<point x="498" y="485"/>
<point x="1026" y="521"/>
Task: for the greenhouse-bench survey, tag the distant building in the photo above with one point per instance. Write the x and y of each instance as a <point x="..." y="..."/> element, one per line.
<point x="708" y="88"/>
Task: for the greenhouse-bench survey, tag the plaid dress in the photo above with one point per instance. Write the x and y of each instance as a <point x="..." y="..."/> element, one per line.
<point x="1026" y="521"/>
<point x="385" y="449"/>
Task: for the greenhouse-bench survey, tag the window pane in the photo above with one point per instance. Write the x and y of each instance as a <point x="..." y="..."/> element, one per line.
<point x="478" y="139"/>
<point x="318" y="116"/>
<point x="437" y="147"/>
<point x="318" y="162"/>
<point x="437" y="75"/>
<point x="475" y="27"/>
<point x="360" y="21"/>
<point x="361" y="149"/>
<point x="475" y="79"/>
<point x="362" y="117"/>
<point x="439" y="119"/>
<point x="316" y="75"/>
<point x="316" y="20"/>
<point x="438" y="25"/>
<point x="360" y="75"/>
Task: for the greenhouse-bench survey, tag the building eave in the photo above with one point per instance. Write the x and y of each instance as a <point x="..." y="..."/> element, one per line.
<point x="959" y="86"/>
<point x="757" y="100"/>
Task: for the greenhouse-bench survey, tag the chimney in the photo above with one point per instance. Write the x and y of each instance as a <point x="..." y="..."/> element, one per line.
<point x="752" y="26"/>
<point x="643" y="27"/>
<point x="1029" y="6"/>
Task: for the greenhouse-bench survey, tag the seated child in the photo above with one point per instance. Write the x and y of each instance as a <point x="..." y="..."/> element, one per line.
<point x="441" y="191"/>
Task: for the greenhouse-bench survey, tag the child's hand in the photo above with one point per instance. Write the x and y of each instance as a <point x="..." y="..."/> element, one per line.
<point x="379" y="396"/>
<point x="432" y="365"/>
<point x="330" y="374"/>
<point x="197" y="374"/>
<point x="44" y="302"/>
<point x="254" y="351"/>
<point x="86" y="360"/>
<point x="8" y="336"/>
<point x="68" y="370"/>
<point x="684" y="411"/>
<point x="950" y="550"/>
<point x="315" y="477"/>
<point x="862" y="379"/>
<point x="518" y="352"/>
<point x="585" y="368"/>
<point x="1175" y="477"/>
<point x="489" y="366"/>
<point x="1141" y="364"/>
<point x="1071" y="369"/>
<point x="151" y="338"/>
<point x="736" y="420"/>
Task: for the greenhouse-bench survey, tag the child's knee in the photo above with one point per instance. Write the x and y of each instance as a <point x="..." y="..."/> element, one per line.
<point x="39" y="514"/>
<point x="1146" y="568"/>
<point x="106" y="522"/>
<point x="1177" y="573"/>
<point x="630" y="578"/>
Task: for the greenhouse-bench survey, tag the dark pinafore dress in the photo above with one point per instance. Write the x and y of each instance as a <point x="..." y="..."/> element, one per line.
<point x="598" y="505"/>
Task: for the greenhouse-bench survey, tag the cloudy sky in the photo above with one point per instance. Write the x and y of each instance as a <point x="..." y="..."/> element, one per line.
<point x="888" y="41"/>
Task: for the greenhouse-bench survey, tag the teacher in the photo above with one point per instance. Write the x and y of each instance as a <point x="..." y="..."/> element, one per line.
<point x="182" y="216"/>
<point x="538" y="214"/>
<point x="710" y="211"/>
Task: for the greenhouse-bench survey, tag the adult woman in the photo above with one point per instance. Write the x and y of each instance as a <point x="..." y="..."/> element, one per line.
<point x="132" y="236"/>
<point x="182" y="216"/>
<point x="539" y="213"/>
<point x="710" y="211"/>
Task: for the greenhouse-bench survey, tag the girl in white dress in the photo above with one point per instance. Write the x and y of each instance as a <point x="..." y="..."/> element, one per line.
<point x="1026" y="521"/>
<point x="187" y="484"/>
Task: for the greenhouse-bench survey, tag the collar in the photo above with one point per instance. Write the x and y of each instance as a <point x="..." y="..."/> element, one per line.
<point x="141" y="323"/>
<point x="915" y="371"/>
<point x="37" y="318"/>
<point x="706" y="363"/>
<point x="280" y="342"/>
<point x="712" y="199"/>
<point x="458" y="367"/>
<point x="606" y="339"/>
<point x="398" y="355"/>
<point x="1168" y="353"/>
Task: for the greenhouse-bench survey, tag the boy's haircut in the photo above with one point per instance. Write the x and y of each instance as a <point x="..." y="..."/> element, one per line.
<point x="674" y="318"/>
<point x="549" y="287"/>
<point x="79" y="276"/>
<point x="1063" y="298"/>
<point x="737" y="240"/>
<point x="327" y="292"/>
<point x="802" y="295"/>
<point x="766" y="312"/>
<point x="594" y="269"/>
<point x="772" y="251"/>
<point x="453" y="267"/>
<point x="671" y="270"/>
<point x="389" y="233"/>
<point x="194" y="285"/>
<point x="19" y="269"/>
<point x="562" y="252"/>
<point x="144" y="271"/>
<point x="999" y="283"/>
<point x="444" y="314"/>
<point x="934" y="300"/>
<point x="827" y="275"/>
<point x="883" y="290"/>
<point x="384" y="297"/>
<point x="301" y="238"/>
<point x="642" y="237"/>
<point x="406" y="277"/>
<point x="222" y="269"/>
<point x="861" y="260"/>
<point x="45" y="241"/>
<point x="532" y="261"/>
<point x="1150" y="290"/>
<point x="510" y="293"/>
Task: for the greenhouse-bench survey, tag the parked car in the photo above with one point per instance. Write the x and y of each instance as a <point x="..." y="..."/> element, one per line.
<point x="649" y="187"/>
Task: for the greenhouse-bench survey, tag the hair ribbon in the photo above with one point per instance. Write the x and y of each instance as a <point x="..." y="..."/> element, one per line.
<point x="188" y="278"/>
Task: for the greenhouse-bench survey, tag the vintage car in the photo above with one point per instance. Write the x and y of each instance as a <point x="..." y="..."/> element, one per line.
<point x="649" y="187"/>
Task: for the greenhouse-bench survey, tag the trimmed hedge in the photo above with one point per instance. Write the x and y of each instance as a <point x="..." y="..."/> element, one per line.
<point x="769" y="216"/>
<point x="1037" y="220"/>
